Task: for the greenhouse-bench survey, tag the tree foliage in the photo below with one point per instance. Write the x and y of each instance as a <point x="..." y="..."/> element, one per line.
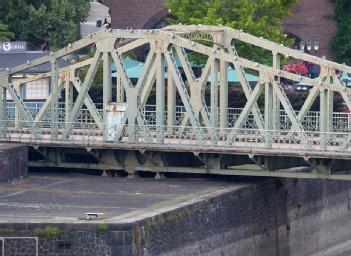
<point x="341" y="43"/>
<point x="38" y="21"/>
<point x="257" y="17"/>
<point x="5" y="34"/>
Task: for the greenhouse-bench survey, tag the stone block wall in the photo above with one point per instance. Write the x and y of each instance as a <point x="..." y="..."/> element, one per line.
<point x="264" y="218"/>
<point x="66" y="240"/>
<point x="273" y="217"/>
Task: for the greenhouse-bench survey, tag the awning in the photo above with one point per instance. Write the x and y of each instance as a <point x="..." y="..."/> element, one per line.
<point x="128" y="63"/>
<point x="234" y="78"/>
<point x="179" y="64"/>
<point x="133" y="72"/>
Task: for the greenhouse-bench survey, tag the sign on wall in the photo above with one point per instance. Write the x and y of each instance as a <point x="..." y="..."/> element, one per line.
<point x="10" y="47"/>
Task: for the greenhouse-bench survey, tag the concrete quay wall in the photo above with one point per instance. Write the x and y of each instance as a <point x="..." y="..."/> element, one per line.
<point x="269" y="217"/>
<point x="273" y="217"/>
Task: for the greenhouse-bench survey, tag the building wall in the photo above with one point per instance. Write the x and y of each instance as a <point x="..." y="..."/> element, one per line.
<point x="312" y="19"/>
<point x="13" y="162"/>
<point x="135" y="13"/>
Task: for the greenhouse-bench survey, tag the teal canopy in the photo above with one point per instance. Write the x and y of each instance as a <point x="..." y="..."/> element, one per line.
<point x="128" y="63"/>
<point x="131" y="63"/>
<point x="234" y="78"/>
<point x="179" y="64"/>
<point x="133" y="72"/>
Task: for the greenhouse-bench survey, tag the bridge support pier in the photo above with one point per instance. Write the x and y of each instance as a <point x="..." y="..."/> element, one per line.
<point x="130" y="164"/>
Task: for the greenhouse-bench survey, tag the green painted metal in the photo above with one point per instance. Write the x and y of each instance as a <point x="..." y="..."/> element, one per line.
<point x="107" y="87"/>
<point x="197" y="125"/>
<point x="268" y="113"/>
<point x="56" y="92"/>
<point x="160" y="97"/>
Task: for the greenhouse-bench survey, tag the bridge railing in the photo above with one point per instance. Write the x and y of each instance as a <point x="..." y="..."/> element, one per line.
<point x="341" y="122"/>
<point x="86" y="134"/>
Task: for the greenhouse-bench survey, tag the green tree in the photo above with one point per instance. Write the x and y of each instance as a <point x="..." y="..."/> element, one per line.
<point x="52" y="21"/>
<point x="257" y="17"/>
<point x="5" y="34"/>
<point x="341" y="43"/>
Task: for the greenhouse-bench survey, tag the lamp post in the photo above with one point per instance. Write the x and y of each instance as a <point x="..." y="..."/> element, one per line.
<point x="309" y="45"/>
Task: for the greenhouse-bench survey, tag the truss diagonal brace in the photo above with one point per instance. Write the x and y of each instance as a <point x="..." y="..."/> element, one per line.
<point x="245" y="112"/>
<point x="197" y="88"/>
<point x="90" y="106"/>
<point x="23" y="109"/>
<point x="290" y="111"/>
<point x="182" y="91"/>
<point x="46" y="104"/>
<point x="83" y="93"/>
<point x="248" y="92"/>
<point x="120" y="68"/>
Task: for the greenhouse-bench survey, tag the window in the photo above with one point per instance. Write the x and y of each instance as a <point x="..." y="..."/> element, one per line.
<point x="37" y="90"/>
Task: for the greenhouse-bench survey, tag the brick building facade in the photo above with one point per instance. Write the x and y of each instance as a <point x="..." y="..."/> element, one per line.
<point x="312" y="19"/>
<point x="136" y="13"/>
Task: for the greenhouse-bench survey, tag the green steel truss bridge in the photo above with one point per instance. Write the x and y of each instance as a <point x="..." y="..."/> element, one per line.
<point x="181" y="132"/>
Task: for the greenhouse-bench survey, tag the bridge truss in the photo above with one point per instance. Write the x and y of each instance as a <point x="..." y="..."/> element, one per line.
<point x="200" y="134"/>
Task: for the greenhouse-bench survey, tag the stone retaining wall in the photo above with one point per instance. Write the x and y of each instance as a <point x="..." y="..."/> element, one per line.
<point x="269" y="217"/>
<point x="273" y="217"/>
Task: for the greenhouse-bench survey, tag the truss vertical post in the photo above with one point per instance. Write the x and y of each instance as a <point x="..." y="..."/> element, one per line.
<point x="223" y="94"/>
<point x="54" y="102"/>
<point x="326" y="115"/>
<point x="214" y="97"/>
<point x="107" y="89"/>
<point x="17" y="111"/>
<point x="68" y="100"/>
<point x="268" y="113"/>
<point x="83" y="91"/>
<point x="160" y="97"/>
<point x="2" y="108"/>
<point x="276" y="102"/>
<point x="171" y="102"/>
<point x="119" y="89"/>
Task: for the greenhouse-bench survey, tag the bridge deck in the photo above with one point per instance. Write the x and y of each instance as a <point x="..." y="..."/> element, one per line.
<point x="282" y="145"/>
